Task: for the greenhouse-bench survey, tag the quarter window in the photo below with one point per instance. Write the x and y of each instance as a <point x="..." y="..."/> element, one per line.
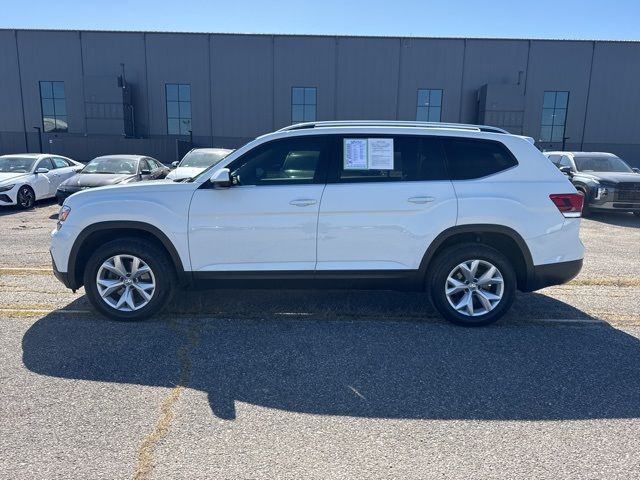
<point x="414" y="159"/>
<point x="303" y="104"/>
<point x="554" y="116"/>
<point x="471" y="158"/>
<point x="54" y="107"/>
<point x="429" y="105"/>
<point x="178" y="108"/>
<point x="282" y="162"/>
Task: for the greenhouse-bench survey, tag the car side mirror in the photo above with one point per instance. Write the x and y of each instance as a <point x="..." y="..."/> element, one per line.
<point x="221" y="179"/>
<point x="567" y="171"/>
<point x="42" y="170"/>
<point x="175" y="164"/>
<point x="637" y="170"/>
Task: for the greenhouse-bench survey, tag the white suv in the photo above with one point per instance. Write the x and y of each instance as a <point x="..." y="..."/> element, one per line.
<point x="467" y="213"/>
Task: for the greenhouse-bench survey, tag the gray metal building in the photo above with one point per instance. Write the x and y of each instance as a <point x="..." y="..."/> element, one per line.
<point x="224" y="89"/>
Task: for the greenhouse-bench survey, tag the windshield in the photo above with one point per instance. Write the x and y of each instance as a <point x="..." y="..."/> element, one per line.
<point x="200" y="159"/>
<point x="16" y="164"/>
<point x="601" y="164"/>
<point x="111" y="165"/>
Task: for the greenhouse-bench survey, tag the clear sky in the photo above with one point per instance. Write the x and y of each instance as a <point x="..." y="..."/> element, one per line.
<point x="584" y="19"/>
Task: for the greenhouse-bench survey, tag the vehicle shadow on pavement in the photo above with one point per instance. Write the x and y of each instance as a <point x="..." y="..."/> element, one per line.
<point x="356" y="366"/>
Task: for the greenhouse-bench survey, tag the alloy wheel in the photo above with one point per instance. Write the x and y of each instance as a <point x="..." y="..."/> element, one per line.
<point x="474" y="287"/>
<point x="26" y="197"/>
<point x="125" y="283"/>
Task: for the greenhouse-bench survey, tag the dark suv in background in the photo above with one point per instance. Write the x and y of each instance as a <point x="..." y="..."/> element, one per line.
<point x="607" y="182"/>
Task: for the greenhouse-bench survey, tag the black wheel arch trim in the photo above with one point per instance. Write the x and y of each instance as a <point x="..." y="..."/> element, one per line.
<point x="184" y="277"/>
<point x="479" y="229"/>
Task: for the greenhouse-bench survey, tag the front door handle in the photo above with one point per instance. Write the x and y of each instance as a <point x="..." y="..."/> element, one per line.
<point x="303" y="202"/>
<point x="421" y="199"/>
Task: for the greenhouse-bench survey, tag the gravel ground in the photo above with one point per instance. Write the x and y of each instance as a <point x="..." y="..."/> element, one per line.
<point x="320" y="384"/>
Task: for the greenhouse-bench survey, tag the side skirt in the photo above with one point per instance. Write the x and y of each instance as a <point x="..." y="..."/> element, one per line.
<point x="401" y="280"/>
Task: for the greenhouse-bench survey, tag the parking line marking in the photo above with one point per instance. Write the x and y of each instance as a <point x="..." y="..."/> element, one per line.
<point x="45" y="311"/>
<point x="569" y="320"/>
<point x="147" y="449"/>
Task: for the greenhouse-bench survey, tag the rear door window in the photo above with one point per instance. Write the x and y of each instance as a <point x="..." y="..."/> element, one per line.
<point x="60" y="162"/>
<point x="470" y="158"/>
<point x="415" y="158"/>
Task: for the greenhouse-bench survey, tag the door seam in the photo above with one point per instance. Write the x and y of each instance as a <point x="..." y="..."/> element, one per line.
<point x="315" y="266"/>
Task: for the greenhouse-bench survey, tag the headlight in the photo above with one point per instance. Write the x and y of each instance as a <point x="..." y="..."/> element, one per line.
<point x="63" y="214"/>
<point x="6" y="188"/>
<point x="602" y="192"/>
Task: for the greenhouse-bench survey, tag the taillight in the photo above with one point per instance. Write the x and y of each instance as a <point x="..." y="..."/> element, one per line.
<point x="569" y="204"/>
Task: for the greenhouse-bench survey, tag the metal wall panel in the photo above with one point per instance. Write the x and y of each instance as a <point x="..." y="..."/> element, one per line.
<point x="558" y="66"/>
<point x="304" y="62"/>
<point x="242" y="85"/>
<point x="367" y="78"/>
<point x="432" y="64"/>
<point x="490" y="61"/>
<point x="178" y="58"/>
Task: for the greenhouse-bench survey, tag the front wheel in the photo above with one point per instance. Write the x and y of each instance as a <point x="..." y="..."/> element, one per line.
<point x="586" y="211"/>
<point x="129" y="279"/>
<point x="26" y="197"/>
<point x="472" y="285"/>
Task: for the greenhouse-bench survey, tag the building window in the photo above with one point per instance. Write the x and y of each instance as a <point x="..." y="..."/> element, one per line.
<point x="54" y="107"/>
<point x="303" y="104"/>
<point x="554" y="116"/>
<point x="429" y="105"/>
<point x="178" y="108"/>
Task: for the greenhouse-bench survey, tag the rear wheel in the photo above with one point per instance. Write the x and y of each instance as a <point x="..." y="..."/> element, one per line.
<point x="26" y="198"/>
<point x="472" y="285"/>
<point x="129" y="279"/>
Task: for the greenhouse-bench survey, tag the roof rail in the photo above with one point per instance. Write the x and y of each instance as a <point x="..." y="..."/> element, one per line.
<point x="393" y="123"/>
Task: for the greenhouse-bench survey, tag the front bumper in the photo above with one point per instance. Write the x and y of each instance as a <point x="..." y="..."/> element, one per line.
<point x="62" y="276"/>
<point x="616" y="206"/>
<point x="62" y="195"/>
<point x="622" y="198"/>
<point x="9" y="197"/>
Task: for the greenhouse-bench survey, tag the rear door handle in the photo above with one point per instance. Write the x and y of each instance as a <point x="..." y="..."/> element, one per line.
<point x="303" y="202"/>
<point x="421" y="199"/>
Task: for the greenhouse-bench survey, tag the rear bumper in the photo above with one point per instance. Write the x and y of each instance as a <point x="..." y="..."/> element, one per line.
<point x="552" y="274"/>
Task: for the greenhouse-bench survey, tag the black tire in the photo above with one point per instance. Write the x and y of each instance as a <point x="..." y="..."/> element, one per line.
<point x="26" y="197"/>
<point x="448" y="260"/>
<point x="155" y="258"/>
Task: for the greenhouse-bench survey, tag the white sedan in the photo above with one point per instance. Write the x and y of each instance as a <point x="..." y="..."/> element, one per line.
<point x="195" y="161"/>
<point x="28" y="177"/>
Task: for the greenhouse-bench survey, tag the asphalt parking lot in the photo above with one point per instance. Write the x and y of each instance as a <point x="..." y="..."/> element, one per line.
<point x="309" y="384"/>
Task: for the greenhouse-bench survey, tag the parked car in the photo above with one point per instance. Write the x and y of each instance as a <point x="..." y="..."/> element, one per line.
<point x="468" y="214"/>
<point x="196" y="161"/>
<point x="607" y="182"/>
<point x="112" y="170"/>
<point x="28" y="177"/>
